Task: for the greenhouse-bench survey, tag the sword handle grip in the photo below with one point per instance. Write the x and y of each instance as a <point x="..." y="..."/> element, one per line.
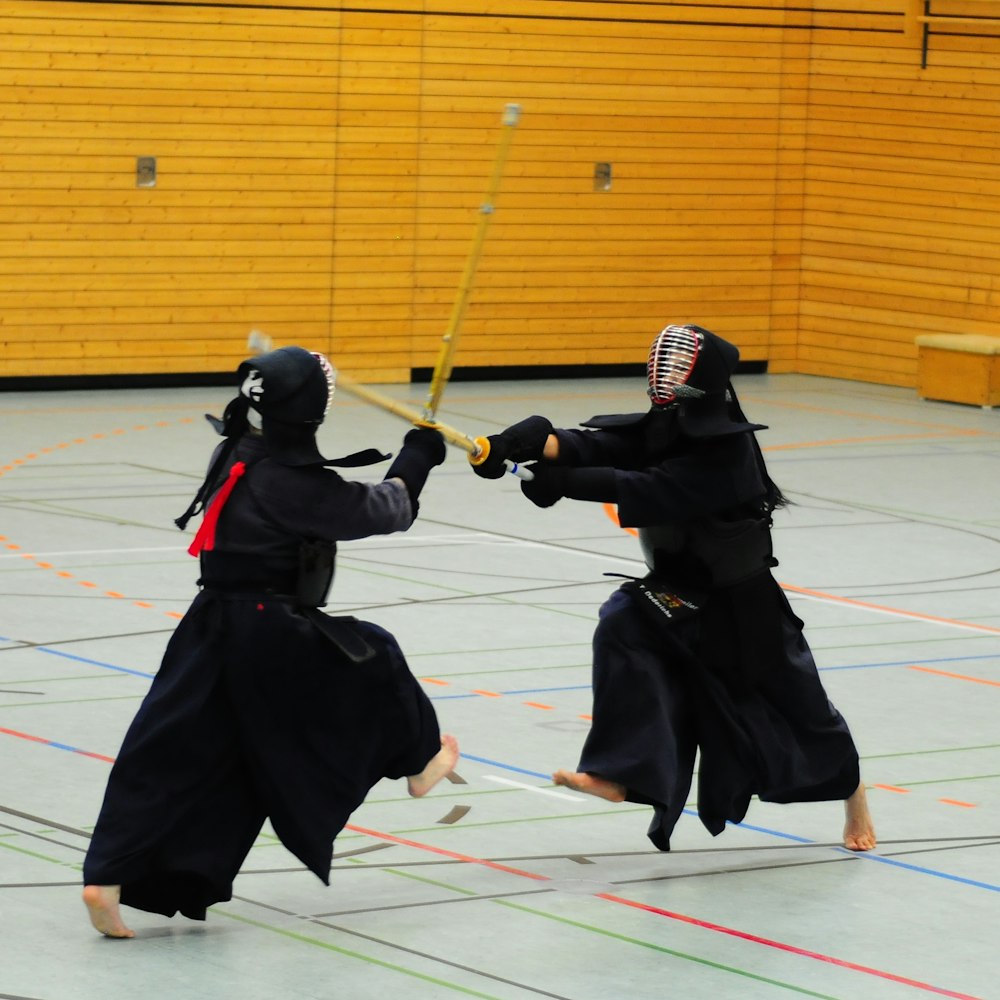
<point x="482" y="453"/>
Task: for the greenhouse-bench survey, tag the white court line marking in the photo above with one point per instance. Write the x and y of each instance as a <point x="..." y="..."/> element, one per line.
<point x="534" y="788"/>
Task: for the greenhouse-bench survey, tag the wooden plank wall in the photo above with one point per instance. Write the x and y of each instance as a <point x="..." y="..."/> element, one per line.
<point x="901" y="222"/>
<point x="782" y="172"/>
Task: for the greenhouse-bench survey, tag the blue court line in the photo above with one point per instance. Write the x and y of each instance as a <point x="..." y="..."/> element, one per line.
<point x="517" y="691"/>
<point x="864" y="856"/>
<point x="80" y="659"/>
<point x="907" y="663"/>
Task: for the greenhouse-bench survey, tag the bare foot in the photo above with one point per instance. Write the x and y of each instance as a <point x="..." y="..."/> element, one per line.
<point x="437" y="767"/>
<point x="592" y="784"/>
<point x="102" y="905"/>
<point x="859" y="830"/>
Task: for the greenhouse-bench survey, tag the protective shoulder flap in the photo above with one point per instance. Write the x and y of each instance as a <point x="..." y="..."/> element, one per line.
<point x="613" y="421"/>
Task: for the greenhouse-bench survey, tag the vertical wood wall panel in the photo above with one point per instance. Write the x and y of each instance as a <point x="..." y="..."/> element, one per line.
<point x="901" y="224"/>
<point x="786" y="173"/>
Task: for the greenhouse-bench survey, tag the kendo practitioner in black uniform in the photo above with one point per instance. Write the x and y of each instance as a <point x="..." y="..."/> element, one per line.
<point x="264" y="706"/>
<point x="704" y="653"/>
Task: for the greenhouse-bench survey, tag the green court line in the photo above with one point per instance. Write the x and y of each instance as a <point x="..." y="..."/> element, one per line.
<point x="951" y="639"/>
<point x="504" y="649"/>
<point x="306" y="939"/>
<point x="582" y="665"/>
<point x="620" y="937"/>
<point x="430" y="881"/>
<point x="945" y="781"/>
<point x="103" y="676"/>
<point x="664" y="950"/>
<point x="458" y="592"/>
<point x="45" y="703"/>
<point x="921" y="753"/>
<point x="35" y="854"/>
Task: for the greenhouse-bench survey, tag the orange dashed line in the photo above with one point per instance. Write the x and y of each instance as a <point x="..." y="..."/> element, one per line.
<point x="11" y="545"/>
<point x="19" y="461"/>
<point x="118" y="430"/>
<point x="142" y="604"/>
<point x="956" y="802"/>
<point x="31" y="455"/>
<point x="63" y="444"/>
<point x="487" y="694"/>
<point x="24" y="555"/>
<point x="589" y="718"/>
<point x="112" y="593"/>
<point x="78" y="441"/>
<point x="63" y="573"/>
<point x="893" y="788"/>
<point x="87" y="583"/>
<point x="98" y="435"/>
<point x="434" y="680"/>
<point x="173" y="614"/>
<point x="538" y="704"/>
<point x="43" y="565"/>
<point x="139" y="427"/>
<point x="957" y="677"/>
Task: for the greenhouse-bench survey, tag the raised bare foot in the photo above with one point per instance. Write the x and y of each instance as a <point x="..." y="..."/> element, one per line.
<point x="859" y="830"/>
<point x="102" y="905"/>
<point x="437" y="767"/>
<point x="591" y="784"/>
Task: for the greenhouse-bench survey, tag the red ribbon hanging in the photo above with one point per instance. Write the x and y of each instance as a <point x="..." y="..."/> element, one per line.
<point x="205" y="538"/>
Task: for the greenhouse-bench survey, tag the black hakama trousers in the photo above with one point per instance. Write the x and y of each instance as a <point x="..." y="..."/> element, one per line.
<point x="744" y="693"/>
<point x="254" y="714"/>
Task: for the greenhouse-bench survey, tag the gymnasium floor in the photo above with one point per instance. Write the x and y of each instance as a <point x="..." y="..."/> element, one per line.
<point x="500" y="885"/>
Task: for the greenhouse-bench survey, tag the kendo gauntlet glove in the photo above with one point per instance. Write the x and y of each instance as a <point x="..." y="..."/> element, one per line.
<point x="553" y="482"/>
<point x="423" y="448"/>
<point x="521" y="442"/>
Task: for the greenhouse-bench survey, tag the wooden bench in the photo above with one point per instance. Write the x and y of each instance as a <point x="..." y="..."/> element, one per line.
<point x="959" y="368"/>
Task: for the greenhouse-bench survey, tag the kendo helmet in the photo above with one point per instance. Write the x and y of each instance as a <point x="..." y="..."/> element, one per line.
<point x="689" y="369"/>
<point x="292" y="390"/>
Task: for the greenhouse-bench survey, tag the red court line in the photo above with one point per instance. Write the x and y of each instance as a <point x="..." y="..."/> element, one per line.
<point x="792" y="949"/>
<point x="957" y="677"/>
<point x="57" y="746"/>
<point x="672" y="915"/>
<point x="609" y="897"/>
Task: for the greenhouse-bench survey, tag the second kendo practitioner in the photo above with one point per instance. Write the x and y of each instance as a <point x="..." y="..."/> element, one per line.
<point x="264" y="707"/>
<point x="704" y="654"/>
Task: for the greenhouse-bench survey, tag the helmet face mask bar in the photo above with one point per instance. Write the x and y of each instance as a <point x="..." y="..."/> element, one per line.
<point x="330" y="374"/>
<point x="672" y="358"/>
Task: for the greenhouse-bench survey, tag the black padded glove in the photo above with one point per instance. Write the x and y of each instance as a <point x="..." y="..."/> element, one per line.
<point x="423" y="448"/>
<point x="553" y="482"/>
<point x="428" y="442"/>
<point x="548" y="485"/>
<point x="521" y="442"/>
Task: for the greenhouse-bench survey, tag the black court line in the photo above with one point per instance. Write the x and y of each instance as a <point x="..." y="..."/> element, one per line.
<point x="395" y="946"/>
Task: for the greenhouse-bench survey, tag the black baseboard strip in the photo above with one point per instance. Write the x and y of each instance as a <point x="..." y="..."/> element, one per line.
<point x="179" y="380"/>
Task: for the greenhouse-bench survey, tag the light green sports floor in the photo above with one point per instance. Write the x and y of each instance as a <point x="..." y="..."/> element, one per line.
<point x="499" y="885"/>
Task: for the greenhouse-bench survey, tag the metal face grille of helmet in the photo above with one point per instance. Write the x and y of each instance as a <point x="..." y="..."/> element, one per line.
<point x="330" y="374"/>
<point x="672" y="358"/>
